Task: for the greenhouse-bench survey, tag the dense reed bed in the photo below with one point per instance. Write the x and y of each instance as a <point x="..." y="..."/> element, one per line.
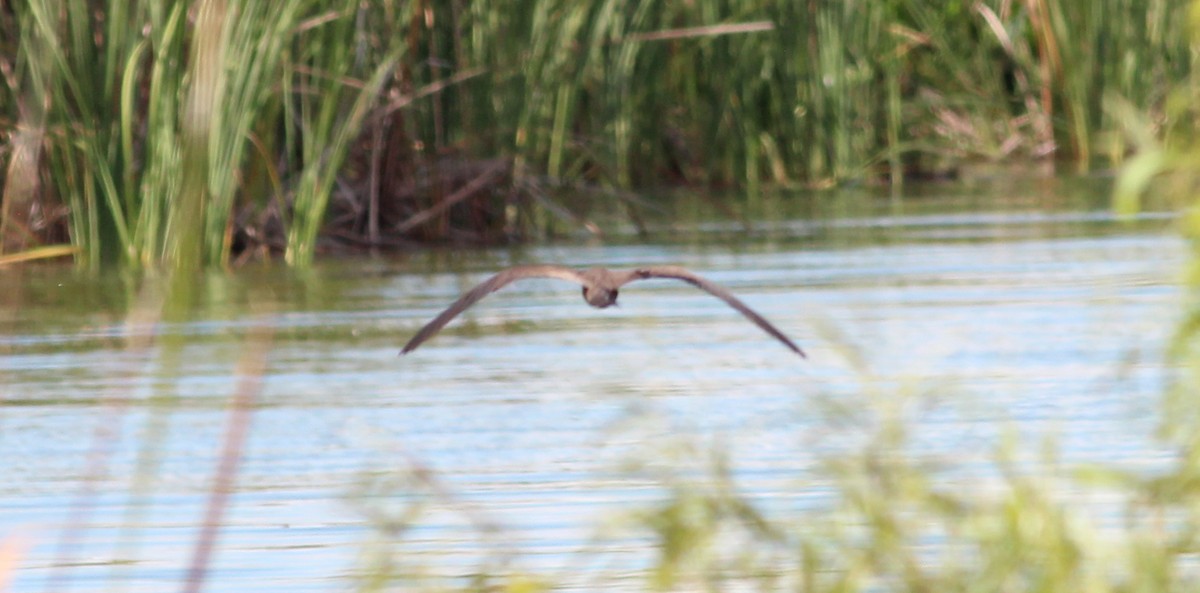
<point x="145" y="133"/>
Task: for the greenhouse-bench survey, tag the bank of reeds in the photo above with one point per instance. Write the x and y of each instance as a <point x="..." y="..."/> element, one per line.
<point x="258" y="126"/>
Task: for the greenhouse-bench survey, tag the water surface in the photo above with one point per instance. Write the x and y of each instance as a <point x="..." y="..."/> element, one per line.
<point x="1039" y="318"/>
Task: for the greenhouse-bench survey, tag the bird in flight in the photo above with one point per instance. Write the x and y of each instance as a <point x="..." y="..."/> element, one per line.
<point x="600" y="287"/>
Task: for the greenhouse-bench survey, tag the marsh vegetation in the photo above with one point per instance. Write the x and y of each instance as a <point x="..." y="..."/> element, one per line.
<point x="203" y="133"/>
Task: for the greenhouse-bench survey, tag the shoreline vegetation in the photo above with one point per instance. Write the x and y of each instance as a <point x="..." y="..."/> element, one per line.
<point x="202" y="134"/>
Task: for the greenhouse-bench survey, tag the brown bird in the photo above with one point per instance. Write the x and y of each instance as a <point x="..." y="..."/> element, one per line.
<point x="600" y="287"/>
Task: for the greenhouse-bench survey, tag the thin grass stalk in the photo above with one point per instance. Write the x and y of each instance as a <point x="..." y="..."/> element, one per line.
<point x="107" y="187"/>
<point x="129" y="89"/>
<point x="894" y="119"/>
<point x="91" y="212"/>
<point x="628" y="96"/>
<point x="492" y="30"/>
<point x="121" y="42"/>
<point x="560" y="129"/>
<point x="38" y="253"/>
<point x="127" y="59"/>
<point x="93" y="104"/>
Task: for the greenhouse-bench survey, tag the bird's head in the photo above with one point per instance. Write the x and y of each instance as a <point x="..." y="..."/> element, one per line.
<point x="599" y="297"/>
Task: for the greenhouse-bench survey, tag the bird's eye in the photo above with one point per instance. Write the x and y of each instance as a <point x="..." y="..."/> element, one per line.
<point x="585" y="292"/>
<point x="614" y="294"/>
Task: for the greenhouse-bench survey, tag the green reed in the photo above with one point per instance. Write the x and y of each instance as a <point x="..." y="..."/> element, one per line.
<point x="1136" y="50"/>
<point x="150" y="121"/>
<point x="617" y="94"/>
<point x="329" y="111"/>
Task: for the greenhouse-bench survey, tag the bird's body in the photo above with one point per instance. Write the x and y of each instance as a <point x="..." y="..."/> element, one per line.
<point x="600" y="289"/>
<point x="600" y="285"/>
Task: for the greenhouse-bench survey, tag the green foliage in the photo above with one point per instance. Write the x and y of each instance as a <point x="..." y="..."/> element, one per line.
<point x="145" y="121"/>
<point x="147" y="132"/>
<point x="329" y="114"/>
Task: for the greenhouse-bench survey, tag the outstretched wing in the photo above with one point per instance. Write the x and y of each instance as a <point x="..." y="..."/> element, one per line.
<point x="683" y="274"/>
<point x="485" y="288"/>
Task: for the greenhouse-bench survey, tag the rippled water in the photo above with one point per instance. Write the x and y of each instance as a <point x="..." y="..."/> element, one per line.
<point x="1039" y="320"/>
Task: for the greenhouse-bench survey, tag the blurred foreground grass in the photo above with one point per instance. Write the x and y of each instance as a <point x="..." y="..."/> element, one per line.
<point x="879" y="514"/>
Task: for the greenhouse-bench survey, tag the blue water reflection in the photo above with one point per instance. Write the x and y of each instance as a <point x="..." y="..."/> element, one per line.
<point x="525" y="409"/>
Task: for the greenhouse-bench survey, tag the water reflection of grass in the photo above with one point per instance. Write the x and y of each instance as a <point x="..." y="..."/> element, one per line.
<point x="149" y="310"/>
